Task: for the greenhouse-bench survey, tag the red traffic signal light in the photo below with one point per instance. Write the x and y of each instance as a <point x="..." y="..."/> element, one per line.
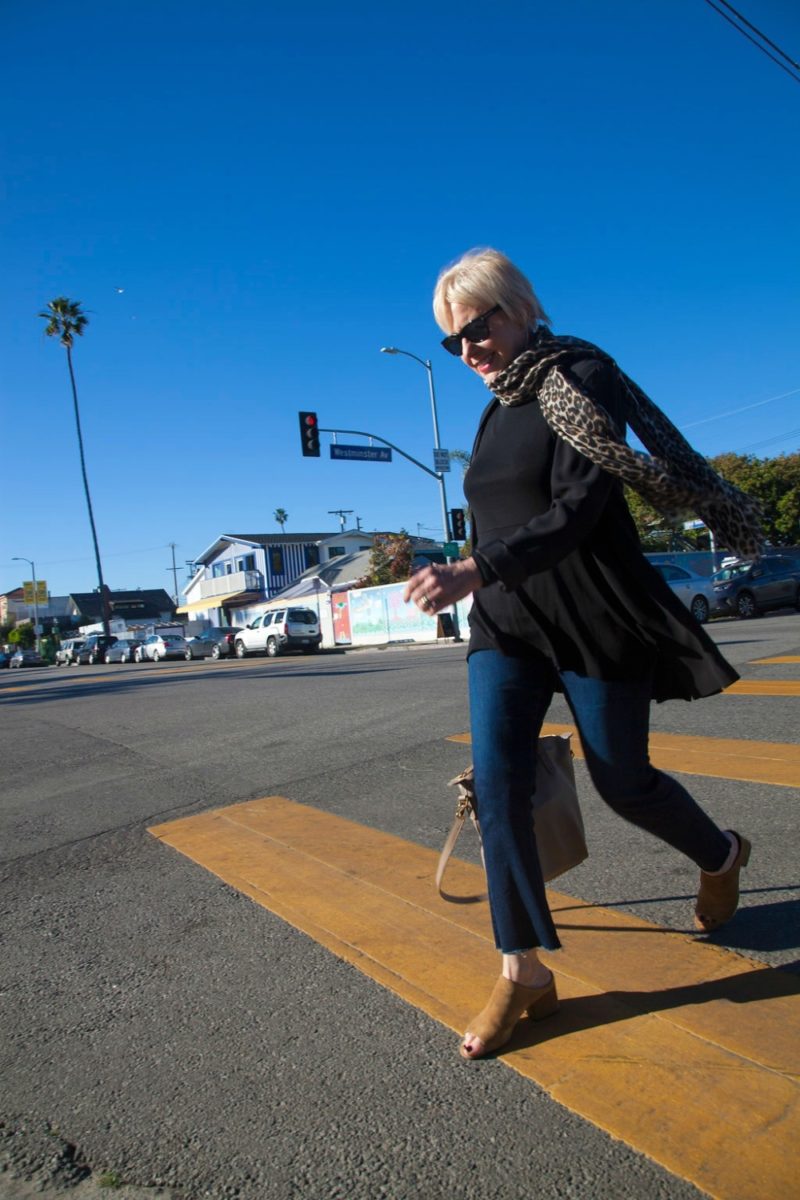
<point x="309" y="434"/>
<point x="458" y="524"/>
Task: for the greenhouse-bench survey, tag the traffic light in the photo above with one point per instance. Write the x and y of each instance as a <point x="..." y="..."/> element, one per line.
<point x="458" y="524"/>
<point x="309" y="434"/>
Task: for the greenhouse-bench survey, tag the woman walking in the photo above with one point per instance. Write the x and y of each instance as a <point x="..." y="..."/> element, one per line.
<point x="564" y="600"/>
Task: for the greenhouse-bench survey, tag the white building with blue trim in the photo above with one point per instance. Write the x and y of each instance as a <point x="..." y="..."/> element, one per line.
<point x="239" y="570"/>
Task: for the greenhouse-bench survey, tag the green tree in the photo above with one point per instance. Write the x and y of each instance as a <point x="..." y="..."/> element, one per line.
<point x="656" y="532"/>
<point x="775" y="484"/>
<point x="281" y="516"/>
<point x="389" y="560"/>
<point x="65" y="320"/>
<point x="22" y="635"/>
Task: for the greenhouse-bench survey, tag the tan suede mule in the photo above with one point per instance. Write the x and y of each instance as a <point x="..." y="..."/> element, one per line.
<point x="718" y="897"/>
<point x="509" y="1000"/>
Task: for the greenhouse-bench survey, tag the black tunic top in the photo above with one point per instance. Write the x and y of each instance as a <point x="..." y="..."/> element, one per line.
<point x="567" y="578"/>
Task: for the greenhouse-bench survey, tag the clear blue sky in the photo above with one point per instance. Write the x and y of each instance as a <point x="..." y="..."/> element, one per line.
<point x="275" y="188"/>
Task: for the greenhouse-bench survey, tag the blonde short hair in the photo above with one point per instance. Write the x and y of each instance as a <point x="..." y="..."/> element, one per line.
<point x="482" y="278"/>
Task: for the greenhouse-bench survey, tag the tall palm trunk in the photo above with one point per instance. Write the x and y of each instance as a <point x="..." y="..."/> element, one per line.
<point x="103" y="594"/>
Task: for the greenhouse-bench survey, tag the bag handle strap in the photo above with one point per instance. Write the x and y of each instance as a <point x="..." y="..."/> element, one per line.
<point x="447" y="849"/>
<point x="465" y="806"/>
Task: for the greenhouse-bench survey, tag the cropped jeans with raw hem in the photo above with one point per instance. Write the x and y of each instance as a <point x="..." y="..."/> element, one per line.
<point x="508" y="701"/>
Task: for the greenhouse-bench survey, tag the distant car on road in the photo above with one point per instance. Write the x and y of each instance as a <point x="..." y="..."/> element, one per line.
<point x="93" y="650"/>
<point x="122" y="651"/>
<point x="67" y="652"/>
<point x="279" y="630"/>
<point x="747" y="588"/>
<point x="26" y="658"/>
<point x="696" y="591"/>
<point x="5" y="659"/>
<point x="159" y="646"/>
<point x="212" y="643"/>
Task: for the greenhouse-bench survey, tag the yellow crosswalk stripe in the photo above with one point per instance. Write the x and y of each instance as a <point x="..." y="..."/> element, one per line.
<point x="720" y="758"/>
<point x="688" y="1053"/>
<point x="764" y="687"/>
<point x="779" y="658"/>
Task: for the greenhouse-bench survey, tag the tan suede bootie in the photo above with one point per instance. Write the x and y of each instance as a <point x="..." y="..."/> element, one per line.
<point x="718" y="897"/>
<point x="495" y="1025"/>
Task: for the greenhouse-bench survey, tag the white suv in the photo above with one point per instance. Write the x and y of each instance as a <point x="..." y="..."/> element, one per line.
<point x="280" y="630"/>
<point x="67" y="653"/>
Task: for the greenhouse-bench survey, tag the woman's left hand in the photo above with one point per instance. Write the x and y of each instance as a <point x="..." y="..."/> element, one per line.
<point x="435" y="587"/>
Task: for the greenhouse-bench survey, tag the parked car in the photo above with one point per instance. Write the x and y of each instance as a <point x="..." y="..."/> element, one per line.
<point x="696" y="591"/>
<point x="280" y="630"/>
<point x="122" y="651"/>
<point x="94" y="648"/>
<point x="212" y="643"/>
<point x="26" y="658"/>
<point x="747" y="588"/>
<point x="67" y="652"/>
<point x="5" y="659"/>
<point x="160" y="645"/>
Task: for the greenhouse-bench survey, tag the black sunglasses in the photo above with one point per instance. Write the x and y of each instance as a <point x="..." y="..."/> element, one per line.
<point x="476" y="330"/>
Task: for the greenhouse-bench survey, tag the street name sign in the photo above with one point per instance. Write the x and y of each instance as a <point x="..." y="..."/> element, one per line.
<point x="364" y="453"/>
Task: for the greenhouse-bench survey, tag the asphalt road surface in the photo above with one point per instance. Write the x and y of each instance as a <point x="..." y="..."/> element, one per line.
<point x="162" y="1031"/>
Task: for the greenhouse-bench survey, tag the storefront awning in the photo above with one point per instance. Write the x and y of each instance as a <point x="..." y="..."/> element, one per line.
<point x="209" y="602"/>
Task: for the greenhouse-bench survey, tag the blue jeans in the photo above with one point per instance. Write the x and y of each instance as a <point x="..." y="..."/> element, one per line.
<point x="508" y="701"/>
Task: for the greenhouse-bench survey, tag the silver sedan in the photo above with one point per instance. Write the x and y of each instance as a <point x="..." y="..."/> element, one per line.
<point x="696" y="591"/>
<point x="159" y="646"/>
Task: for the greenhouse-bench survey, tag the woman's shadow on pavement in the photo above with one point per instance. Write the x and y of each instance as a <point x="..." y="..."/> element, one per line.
<point x="766" y="927"/>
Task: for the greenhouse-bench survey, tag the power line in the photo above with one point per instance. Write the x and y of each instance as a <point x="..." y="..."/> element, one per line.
<point x="745" y="408"/>
<point x="763" y="37"/>
<point x="769" y="441"/>
<point x="60" y="562"/>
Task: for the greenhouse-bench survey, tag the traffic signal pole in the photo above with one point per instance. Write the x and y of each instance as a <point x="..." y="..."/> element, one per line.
<point x="310" y="445"/>
<point x="391" y="445"/>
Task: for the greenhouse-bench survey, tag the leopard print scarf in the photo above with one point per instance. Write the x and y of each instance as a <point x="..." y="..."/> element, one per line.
<point x="675" y="480"/>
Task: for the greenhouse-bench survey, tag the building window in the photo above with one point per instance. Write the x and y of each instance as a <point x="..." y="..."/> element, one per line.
<point x="311" y="554"/>
<point x="246" y="563"/>
<point x="217" y="570"/>
<point x="335" y="551"/>
<point x="276" y="560"/>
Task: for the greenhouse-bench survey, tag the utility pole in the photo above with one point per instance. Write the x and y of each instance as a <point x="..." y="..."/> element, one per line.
<point x="341" y="513"/>
<point x="174" y="570"/>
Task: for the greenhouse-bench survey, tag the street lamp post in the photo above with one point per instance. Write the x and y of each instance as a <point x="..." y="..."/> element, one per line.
<point x="427" y="364"/>
<point x="21" y="558"/>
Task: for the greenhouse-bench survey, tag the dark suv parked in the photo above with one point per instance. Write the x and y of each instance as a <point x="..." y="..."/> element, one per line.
<point x="94" y="648"/>
<point x="746" y="589"/>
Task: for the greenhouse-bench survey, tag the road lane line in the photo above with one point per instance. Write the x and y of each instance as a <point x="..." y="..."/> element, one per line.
<point x="763" y="687"/>
<point x="719" y="758"/>
<point x="780" y="658"/>
<point x="688" y="1053"/>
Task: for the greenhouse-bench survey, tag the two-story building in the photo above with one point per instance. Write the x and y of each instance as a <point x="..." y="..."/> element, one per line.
<point x="239" y="570"/>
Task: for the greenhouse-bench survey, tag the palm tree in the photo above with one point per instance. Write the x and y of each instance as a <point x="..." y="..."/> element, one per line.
<point x="64" y="321"/>
<point x="462" y="456"/>
<point x="281" y="516"/>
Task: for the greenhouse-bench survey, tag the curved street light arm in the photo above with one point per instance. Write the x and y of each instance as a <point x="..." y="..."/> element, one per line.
<point x="383" y="441"/>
